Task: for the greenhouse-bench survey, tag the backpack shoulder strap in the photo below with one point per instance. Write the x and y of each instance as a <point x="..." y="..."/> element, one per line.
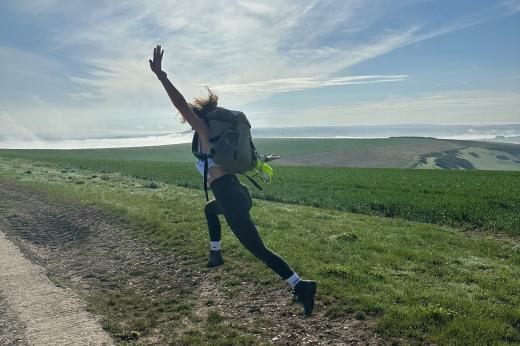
<point x="201" y="156"/>
<point x="206" y="178"/>
<point x="195" y="147"/>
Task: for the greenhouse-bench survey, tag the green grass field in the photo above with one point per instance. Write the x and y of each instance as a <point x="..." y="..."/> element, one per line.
<point x="475" y="200"/>
<point x="413" y="276"/>
<point x="417" y="281"/>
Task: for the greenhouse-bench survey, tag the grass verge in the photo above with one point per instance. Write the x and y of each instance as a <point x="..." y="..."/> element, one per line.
<point x="420" y="281"/>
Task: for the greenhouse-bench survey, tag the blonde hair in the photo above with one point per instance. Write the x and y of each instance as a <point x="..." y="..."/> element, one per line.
<point x="204" y="105"/>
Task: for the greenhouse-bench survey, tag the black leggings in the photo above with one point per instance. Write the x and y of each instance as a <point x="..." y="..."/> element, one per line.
<point x="234" y="201"/>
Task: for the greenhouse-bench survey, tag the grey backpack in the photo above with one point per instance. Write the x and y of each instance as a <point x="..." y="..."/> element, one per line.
<point x="231" y="145"/>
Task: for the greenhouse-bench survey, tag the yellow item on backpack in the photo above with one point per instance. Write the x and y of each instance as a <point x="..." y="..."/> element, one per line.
<point x="264" y="170"/>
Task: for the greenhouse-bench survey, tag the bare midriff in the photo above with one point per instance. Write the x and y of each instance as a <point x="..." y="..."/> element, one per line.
<point x="215" y="172"/>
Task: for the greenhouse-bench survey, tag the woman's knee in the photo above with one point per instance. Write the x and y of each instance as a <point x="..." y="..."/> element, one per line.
<point x="248" y="235"/>
<point x="261" y="251"/>
<point x="207" y="209"/>
<point x="264" y="254"/>
<point x="211" y="207"/>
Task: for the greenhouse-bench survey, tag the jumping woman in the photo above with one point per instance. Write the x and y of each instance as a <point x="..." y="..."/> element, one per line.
<point x="232" y="198"/>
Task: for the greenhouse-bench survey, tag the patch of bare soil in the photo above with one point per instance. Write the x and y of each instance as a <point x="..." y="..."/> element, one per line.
<point x="268" y="311"/>
<point x="151" y="295"/>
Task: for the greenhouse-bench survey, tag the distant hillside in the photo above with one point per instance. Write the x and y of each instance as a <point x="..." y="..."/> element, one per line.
<point x="474" y="155"/>
<point x="395" y="152"/>
<point x="398" y="152"/>
<point x="508" y="133"/>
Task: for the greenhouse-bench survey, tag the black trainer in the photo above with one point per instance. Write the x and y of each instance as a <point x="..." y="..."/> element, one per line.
<point x="304" y="292"/>
<point x="215" y="259"/>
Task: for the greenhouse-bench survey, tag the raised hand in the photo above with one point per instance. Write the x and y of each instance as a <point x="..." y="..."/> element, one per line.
<point x="155" y="64"/>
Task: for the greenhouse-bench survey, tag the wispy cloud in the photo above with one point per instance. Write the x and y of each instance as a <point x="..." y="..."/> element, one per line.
<point x="245" y="49"/>
<point x="238" y="45"/>
<point x="482" y="106"/>
<point x="512" y="5"/>
<point x="84" y="96"/>
<point x="302" y="83"/>
<point x="13" y="130"/>
<point x="232" y="43"/>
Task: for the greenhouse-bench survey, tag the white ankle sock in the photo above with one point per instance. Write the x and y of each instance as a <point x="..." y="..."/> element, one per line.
<point x="214" y="245"/>
<point x="293" y="280"/>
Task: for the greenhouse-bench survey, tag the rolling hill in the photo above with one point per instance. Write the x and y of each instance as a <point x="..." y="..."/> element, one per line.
<point x="396" y="152"/>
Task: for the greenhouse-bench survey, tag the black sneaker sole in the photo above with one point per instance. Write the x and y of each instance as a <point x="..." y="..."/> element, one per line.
<point x="216" y="264"/>
<point x="215" y="259"/>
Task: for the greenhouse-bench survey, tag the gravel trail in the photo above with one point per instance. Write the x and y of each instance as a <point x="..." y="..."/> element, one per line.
<point x="34" y="311"/>
<point x="99" y="258"/>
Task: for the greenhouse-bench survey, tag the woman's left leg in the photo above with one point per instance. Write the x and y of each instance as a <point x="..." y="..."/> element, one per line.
<point x="211" y="210"/>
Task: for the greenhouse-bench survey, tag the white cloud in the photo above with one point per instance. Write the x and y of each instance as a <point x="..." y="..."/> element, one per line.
<point x="302" y="83"/>
<point x="38" y="143"/>
<point x="256" y="8"/>
<point x="84" y="96"/>
<point x="512" y="5"/>
<point x="29" y="78"/>
<point x="245" y="49"/>
<point x="443" y="108"/>
<point x="230" y="43"/>
<point x="12" y="130"/>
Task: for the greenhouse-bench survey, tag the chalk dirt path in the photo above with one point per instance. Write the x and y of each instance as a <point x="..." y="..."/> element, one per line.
<point x="36" y="312"/>
<point x="96" y="257"/>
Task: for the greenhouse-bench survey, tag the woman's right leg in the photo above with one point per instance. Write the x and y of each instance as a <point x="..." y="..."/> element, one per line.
<point x="245" y="230"/>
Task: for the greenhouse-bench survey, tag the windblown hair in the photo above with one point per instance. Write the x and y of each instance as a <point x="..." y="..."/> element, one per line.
<point x="204" y="105"/>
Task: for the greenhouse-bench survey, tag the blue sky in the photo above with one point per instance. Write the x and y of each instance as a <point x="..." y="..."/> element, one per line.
<point x="73" y="68"/>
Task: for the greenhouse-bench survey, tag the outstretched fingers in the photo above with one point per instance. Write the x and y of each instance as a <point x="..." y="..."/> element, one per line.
<point x="155" y="62"/>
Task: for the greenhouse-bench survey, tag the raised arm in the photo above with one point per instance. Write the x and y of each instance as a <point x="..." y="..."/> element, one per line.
<point x="176" y="97"/>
